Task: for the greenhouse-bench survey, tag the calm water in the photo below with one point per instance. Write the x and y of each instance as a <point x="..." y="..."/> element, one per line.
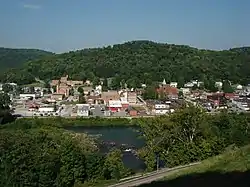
<point x="116" y="137"/>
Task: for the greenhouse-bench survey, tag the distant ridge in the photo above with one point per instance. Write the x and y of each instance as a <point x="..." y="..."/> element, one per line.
<point x="15" y="58"/>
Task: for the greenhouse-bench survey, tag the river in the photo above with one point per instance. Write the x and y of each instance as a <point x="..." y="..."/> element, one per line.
<point x="120" y="137"/>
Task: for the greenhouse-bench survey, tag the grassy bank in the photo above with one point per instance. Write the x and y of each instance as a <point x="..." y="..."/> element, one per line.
<point x="229" y="169"/>
<point x="86" y="122"/>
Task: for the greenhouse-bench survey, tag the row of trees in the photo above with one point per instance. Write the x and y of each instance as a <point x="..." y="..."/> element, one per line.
<point x="139" y="62"/>
<point x="33" y="153"/>
<point x="191" y="135"/>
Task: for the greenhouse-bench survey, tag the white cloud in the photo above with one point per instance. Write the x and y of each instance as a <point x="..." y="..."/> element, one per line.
<point x="30" y="6"/>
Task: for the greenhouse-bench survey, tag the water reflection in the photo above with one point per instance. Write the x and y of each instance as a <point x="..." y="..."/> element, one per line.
<point x="124" y="138"/>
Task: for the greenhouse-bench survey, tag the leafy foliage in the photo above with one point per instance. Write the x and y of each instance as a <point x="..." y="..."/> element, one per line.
<point x="15" y="58"/>
<point x="191" y="135"/>
<point x="40" y="154"/>
<point x="138" y="62"/>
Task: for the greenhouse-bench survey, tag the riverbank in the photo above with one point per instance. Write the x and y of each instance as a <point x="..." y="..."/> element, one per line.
<point x="86" y="122"/>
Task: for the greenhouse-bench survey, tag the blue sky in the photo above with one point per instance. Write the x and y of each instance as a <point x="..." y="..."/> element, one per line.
<point x="63" y="25"/>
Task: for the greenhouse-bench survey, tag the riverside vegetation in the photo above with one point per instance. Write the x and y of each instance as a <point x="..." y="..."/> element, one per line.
<point x="39" y="152"/>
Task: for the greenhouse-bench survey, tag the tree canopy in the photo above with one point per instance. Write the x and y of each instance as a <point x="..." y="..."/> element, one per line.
<point x="14" y="58"/>
<point x="140" y="62"/>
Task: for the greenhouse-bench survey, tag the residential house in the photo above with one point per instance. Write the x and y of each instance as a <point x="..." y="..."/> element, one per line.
<point x="160" y="109"/>
<point x="83" y="110"/>
<point x="174" y="84"/>
<point x="218" y="84"/>
<point x="189" y="85"/>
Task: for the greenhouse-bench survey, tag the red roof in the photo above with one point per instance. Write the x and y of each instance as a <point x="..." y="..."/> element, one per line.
<point x="168" y="90"/>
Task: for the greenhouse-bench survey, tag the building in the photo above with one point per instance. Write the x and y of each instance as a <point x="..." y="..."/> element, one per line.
<point x="110" y="95"/>
<point x="174" y="84"/>
<point x="161" y="109"/>
<point x="218" y="84"/>
<point x="46" y="109"/>
<point x="63" y="86"/>
<point x="83" y="110"/>
<point x="114" y="105"/>
<point x="132" y="97"/>
<point x="57" y="97"/>
<point x="189" y="85"/>
<point x="28" y="96"/>
<point x="168" y="91"/>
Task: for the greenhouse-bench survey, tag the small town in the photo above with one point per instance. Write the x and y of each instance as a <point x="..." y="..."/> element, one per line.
<point x="75" y="98"/>
<point x="124" y="93"/>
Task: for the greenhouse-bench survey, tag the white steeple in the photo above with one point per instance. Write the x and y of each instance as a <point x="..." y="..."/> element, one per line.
<point x="164" y="82"/>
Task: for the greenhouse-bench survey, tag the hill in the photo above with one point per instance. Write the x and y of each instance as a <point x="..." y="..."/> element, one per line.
<point x="229" y="169"/>
<point x="141" y="61"/>
<point x="14" y="58"/>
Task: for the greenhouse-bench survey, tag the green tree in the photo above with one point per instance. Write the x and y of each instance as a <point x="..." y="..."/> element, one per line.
<point x="150" y="93"/>
<point x="226" y="87"/>
<point x="7" y="88"/>
<point x="80" y="90"/>
<point x="113" y="166"/>
<point x="82" y="99"/>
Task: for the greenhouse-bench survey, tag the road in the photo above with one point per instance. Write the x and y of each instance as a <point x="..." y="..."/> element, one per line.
<point x="150" y="177"/>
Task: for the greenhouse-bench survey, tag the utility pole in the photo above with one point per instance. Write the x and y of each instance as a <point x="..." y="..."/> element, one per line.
<point x="157" y="162"/>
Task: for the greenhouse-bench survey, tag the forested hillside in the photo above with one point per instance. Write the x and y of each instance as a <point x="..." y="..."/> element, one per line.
<point x="140" y="61"/>
<point x="14" y="58"/>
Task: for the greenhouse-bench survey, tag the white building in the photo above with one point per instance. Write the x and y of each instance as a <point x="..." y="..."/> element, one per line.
<point x="218" y="84"/>
<point x="188" y="85"/>
<point x="239" y="87"/>
<point x="161" y="109"/>
<point x="46" y="109"/>
<point x="174" y="84"/>
<point x="185" y="90"/>
<point x="83" y="110"/>
<point x="27" y="96"/>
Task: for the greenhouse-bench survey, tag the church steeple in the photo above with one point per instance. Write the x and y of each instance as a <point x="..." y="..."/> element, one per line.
<point x="164" y="82"/>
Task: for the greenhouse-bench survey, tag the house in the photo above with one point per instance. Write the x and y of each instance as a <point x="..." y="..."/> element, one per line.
<point x="189" y="85"/>
<point x="28" y="96"/>
<point x="83" y="110"/>
<point x="174" y="84"/>
<point x="57" y="96"/>
<point x="239" y="87"/>
<point x="88" y="82"/>
<point x="185" y="90"/>
<point x="114" y="105"/>
<point x="98" y="90"/>
<point x="161" y="109"/>
<point x="46" y="109"/>
<point x="231" y="96"/>
<point x="218" y="84"/>
<point x="110" y="95"/>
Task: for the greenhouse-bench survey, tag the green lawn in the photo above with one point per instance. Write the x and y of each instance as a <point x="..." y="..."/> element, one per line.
<point x="229" y="169"/>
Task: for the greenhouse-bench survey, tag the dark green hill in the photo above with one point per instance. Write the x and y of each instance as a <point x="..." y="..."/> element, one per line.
<point x="141" y="61"/>
<point x="228" y="170"/>
<point x="14" y="58"/>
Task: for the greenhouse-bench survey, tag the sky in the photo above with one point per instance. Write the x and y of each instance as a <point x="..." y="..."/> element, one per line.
<point x="64" y="25"/>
